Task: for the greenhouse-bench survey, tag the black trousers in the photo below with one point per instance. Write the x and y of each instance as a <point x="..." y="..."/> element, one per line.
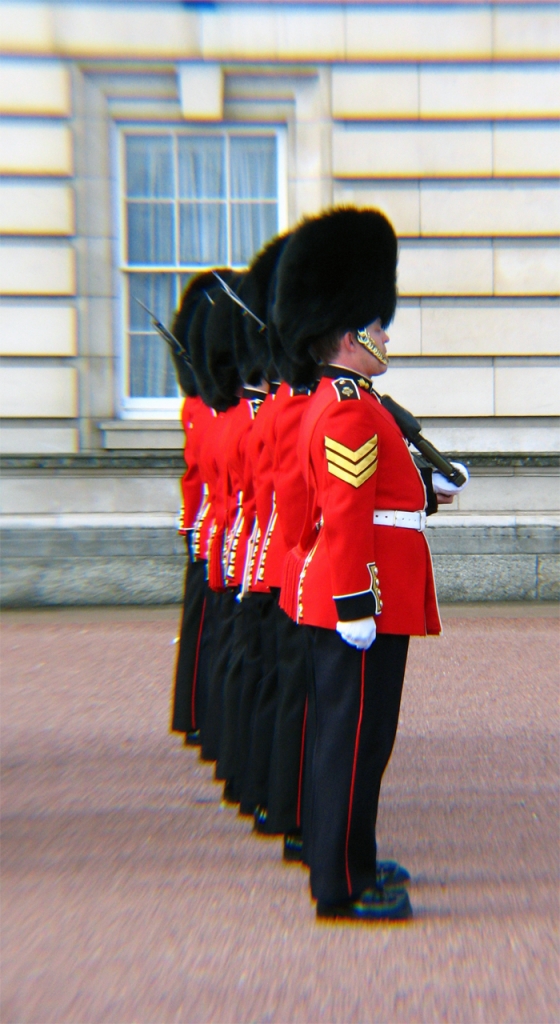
<point x="285" y="798"/>
<point x="220" y="644"/>
<point x="184" y="714"/>
<point x="257" y="773"/>
<point x="356" y="705"/>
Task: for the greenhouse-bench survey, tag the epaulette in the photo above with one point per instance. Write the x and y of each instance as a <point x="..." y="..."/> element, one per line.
<point x="300" y="389"/>
<point x="345" y="388"/>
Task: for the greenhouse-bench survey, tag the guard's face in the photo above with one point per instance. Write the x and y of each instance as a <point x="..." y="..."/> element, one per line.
<point x="375" y="367"/>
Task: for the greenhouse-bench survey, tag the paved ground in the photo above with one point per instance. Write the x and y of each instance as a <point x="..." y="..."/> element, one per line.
<point x="131" y="895"/>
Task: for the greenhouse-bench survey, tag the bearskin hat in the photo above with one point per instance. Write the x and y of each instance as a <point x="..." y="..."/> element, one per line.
<point x="192" y="295"/>
<point x="337" y="272"/>
<point x="256" y="290"/>
<point x="210" y="344"/>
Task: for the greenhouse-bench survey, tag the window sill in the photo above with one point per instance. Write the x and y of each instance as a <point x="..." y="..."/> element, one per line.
<point x="147" y="435"/>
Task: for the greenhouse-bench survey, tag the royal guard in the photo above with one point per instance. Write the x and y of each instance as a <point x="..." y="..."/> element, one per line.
<point x="360" y="579"/>
<point x="189" y="690"/>
<point x="212" y="353"/>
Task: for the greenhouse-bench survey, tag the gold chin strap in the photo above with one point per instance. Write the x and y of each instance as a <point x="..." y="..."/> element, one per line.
<point x="365" y="339"/>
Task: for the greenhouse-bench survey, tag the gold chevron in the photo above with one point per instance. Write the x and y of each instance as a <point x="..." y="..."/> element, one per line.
<point x="349" y="453"/>
<point x="364" y="464"/>
<point x="350" y="477"/>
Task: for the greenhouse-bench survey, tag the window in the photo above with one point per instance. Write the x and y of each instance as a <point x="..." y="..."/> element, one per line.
<point x="192" y="200"/>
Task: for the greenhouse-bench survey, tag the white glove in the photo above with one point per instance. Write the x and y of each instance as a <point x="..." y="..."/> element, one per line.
<point x="442" y="485"/>
<point x="358" y="632"/>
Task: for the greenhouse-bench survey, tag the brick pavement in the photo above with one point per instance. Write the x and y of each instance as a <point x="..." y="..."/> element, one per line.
<point x="130" y="895"/>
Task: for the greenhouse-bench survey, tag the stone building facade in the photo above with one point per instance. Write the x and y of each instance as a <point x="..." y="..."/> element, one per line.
<point x="140" y="141"/>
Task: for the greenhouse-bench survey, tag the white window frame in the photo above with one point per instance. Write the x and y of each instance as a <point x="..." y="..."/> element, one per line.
<point x="169" y="408"/>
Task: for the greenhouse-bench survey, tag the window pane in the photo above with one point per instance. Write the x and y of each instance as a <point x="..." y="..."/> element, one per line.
<point x="201" y="167"/>
<point x="252" y="224"/>
<point x="151" y="373"/>
<point x="149" y="166"/>
<point x="150" y="233"/>
<point x="253" y="167"/>
<point x="202" y="229"/>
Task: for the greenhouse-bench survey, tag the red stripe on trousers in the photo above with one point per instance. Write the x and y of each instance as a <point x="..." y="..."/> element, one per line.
<point x="195" y="670"/>
<point x="300" y="780"/>
<point x="354" y="766"/>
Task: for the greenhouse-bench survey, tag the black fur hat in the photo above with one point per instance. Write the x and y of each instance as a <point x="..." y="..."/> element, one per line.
<point x="257" y="290"/>
<point x="210" y="343"/>
<point x="337" y="272"/>
<point x="192" y="296"/>
<point x="220" y="349"/>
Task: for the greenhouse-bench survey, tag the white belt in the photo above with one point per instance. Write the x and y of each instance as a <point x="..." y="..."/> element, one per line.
<point x="407" y="520"/>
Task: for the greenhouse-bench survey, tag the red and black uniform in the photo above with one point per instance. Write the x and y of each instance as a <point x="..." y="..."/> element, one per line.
<point x="350" y="564"/>
<point x="185" y="716"/>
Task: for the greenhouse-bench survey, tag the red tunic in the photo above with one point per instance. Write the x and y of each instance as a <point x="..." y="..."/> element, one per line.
<point x="195" y="515"/>
<point x="238" y="483"/>
<point x="287" y="489"/>
<point x="260" y="511"/>
<point x="356" y="461"/>
<point x="212" y="469"/>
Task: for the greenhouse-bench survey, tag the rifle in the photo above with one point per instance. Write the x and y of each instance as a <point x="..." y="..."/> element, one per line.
<point x="175" y="345"/>
<point x="411" y="429"/>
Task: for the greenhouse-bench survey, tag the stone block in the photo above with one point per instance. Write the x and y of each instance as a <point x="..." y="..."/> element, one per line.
<point x="506" y="492"/>
<point x="38" y="392"/>
<point x="486" y="577"/>
<point x="93" y="207"/>
<point x="489" y="208"/>
<point x="122" y="30"/>
<point x="527" y="390"/>
<point x="405" y="331"/>
<point x="311" y="33"/>
<point x="416" y="33"/>
<point x="442" y="390"/>
<point x="93" y="581"/>
<point x="46" y="494"/>
<point x="37" y="440"/>
<point x="498" y="434"/>
<point x="37" y="269"/>
<point x="469" y="540"/>
<point x="227" y="33"/>
<point x="96" y="268"/>
<point x="526" y="31"/>
<point x="35" y="148"/>
<point x="488" y="92"/>
<point x="400" y="202"/>
<point x="490" y="328"/>
<point x="361" y="93"/>
<point x="30" y="34"/>
<point x="549" y="577"/>
<point x="37" y="330"/>
<point x="34" y="87"/>
<point x="36" y="210"/>
<point x="201" y="91"/>
<point x="526" y="150"/>
<point x="429" y="269"/>
<point x="412" y="151"/>
<point x="529" y="269"/>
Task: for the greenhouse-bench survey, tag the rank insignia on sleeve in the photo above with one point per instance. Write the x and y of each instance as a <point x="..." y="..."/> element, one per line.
<point x="345" y="388"/>
<point x="354" y="467"/>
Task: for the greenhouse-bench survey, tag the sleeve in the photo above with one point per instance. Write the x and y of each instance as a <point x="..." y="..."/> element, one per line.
<point x="191" y="482"/>
<point x="349" y="441"/>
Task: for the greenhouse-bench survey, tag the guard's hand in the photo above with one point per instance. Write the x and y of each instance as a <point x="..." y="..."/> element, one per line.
<point x="442" y="485"/>
<point x="358" y="633"/>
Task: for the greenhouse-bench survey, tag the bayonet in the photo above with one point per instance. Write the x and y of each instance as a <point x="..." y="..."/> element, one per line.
<point x="239" y="302"/>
